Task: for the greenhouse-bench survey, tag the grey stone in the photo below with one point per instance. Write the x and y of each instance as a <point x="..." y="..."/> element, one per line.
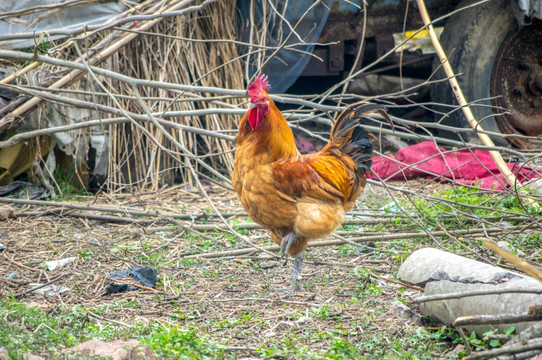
<point x="445" y="273"/>
<point x="430" y="264"/>
<point x="4" y="355"/>
<point x="114" y="350"/>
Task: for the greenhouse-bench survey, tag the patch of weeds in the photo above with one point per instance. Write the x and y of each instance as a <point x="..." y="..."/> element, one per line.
<point x="210" y="274"/>
<point x="86" y="254"/>
<point x="322" y="311"/>
<point x="458" y="208"/>
<point x="526" y="242"/>
<point x="125" y="248"/>
<point x="271" y="353"/>
<point x="151" y="258"/>
<point x="348" y="250"/>
<point x="323" y="279"/>
<point x="27" y="329"/>
<point x="66" y="189"/>
<point x="340" y="348"/>
<point x="470" y="201"/>
<point x="444" y="205"/>
<point x="171" y="342"/>
<point x="485" y="342"/>
<point x="234" y="239"/>
<point x="365" y="284"/>
<point x="240" y="231"/>
<point x="31" y="330"/>
<point x="446" y="335"/>
<point x="233" y="322"/>
<point x="198" y="243"/>
<point x="412" y="343"/>
<point x="191" y="261"/>
<point x="351" y="227"/>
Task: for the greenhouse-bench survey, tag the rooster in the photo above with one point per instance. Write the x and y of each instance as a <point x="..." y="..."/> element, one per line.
<point x="298" y="198"/>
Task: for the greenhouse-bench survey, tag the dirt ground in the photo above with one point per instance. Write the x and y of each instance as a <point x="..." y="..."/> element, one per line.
<point x="237" y="301"/>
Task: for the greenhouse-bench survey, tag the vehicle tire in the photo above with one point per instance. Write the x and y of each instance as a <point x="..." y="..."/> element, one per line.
<point x="478" y="42"/>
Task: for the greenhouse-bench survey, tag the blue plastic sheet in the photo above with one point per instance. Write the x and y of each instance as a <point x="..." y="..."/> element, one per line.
<point x="286" y="67"/>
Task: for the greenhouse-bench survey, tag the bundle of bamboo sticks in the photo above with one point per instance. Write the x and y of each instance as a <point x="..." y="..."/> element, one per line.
<point x="178" y="41"/>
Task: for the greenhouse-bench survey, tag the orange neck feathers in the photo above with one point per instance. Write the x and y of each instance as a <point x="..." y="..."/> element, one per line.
<point x="272" y="136"/>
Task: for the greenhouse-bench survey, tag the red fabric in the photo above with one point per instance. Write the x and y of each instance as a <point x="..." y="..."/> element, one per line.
<point x="463" y="166"/>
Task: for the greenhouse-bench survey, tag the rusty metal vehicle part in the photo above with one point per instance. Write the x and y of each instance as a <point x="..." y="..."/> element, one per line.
<point x="516" y="84"/>
<point x="345" y="24"/>
<point x="481" y="42"/>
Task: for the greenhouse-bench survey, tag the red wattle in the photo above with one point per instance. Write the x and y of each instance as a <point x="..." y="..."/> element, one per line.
<point x="254" y="117"/>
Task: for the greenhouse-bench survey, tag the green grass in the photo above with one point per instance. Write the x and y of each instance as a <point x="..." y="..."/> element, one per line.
<point x="459" y="208"/>
<point x="29" y="329"/>
<point x="458" y="205"/>
<point x="32" y="330"/>
<point x="68" y="188"/>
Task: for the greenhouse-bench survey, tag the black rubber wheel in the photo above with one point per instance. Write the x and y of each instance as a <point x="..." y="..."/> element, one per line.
<point x="471" y="39"/>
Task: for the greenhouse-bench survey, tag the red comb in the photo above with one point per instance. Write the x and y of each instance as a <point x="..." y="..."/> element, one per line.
<point x="259" y="84"/>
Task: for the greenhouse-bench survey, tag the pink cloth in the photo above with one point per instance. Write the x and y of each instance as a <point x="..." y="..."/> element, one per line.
<point x="463" y="166"/>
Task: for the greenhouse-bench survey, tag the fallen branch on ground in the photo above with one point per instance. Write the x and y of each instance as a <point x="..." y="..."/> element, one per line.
<point x="535" y="344"/>
<point x="514" y="260"/>
<point x="461" y="295"/>
<point x="16" y="296"/>
<point x="531" y="315"/>
<point x="373" y="238"/>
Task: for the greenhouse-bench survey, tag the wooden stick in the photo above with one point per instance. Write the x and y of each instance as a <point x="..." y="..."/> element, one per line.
<point x="131" y="283"/>
<point x="22" y="266"/>
<point x="16" y="296"/>
<point x="414" y="287"/>
<point x="109" y="320"/>
<point x="498" y="319"/>
<point x="514" y="260"/>
<point x="363" y="239"/>
<point x="528" y="345"/>
<point x="461" y="295"/>
<point x="486" y="140"/>
<point x="20" y="73"/>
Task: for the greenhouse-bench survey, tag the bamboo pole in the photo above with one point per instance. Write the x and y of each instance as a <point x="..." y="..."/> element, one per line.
<point x="327" y="242"/>
<point x="486" y="140"/>
<point x="514" y="260"/>
<point x="20" y="73"/>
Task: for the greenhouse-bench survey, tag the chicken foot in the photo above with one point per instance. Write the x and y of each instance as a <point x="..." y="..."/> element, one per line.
<point x="286" y="243"/>
<point x="298" y="262"/>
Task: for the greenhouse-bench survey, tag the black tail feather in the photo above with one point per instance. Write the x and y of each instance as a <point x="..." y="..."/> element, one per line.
<point x="350" y="138"/>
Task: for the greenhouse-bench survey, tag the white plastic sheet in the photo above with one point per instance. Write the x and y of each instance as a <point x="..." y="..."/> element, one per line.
<point x="41" y="18"/>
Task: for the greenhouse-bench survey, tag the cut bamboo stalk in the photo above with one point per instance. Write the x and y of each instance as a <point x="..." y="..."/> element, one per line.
<point x="327" y="242"/>
<point x="20" y="73"/>
<point x="486" y="140"/>
<point x="514" y="260"/>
